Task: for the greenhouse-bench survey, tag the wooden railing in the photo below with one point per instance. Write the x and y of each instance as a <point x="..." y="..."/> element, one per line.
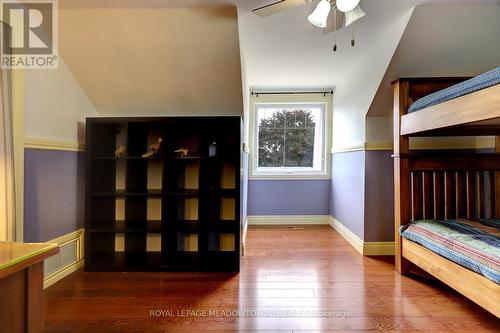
<point x="454" y="186"/>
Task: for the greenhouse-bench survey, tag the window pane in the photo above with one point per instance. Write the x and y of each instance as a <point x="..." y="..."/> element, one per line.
<point x="287" y="137"/>
<point x="271" y="137"/>
<point x="271" y="147"/>
<point x="299" y="148"/>
<point x="296" y="118"/>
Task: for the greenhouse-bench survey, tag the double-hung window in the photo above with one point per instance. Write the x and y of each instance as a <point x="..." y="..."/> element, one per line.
<point x="290" y="140"/>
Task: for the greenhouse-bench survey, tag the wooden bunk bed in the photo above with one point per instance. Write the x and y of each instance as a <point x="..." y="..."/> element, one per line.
<point x="445" y="184"/>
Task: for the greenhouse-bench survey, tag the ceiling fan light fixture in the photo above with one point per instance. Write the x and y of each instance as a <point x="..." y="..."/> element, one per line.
<point x="347" y="5"/>
<point x="319" y="16"/>
<point x="353" y="15"/>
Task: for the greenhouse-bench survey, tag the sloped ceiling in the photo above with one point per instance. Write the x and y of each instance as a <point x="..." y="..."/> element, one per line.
<point x="154" y="61"/>
<point x="459" y="40"/>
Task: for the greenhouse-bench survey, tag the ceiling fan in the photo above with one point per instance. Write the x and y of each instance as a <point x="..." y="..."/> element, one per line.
<point x="344" y="13"/>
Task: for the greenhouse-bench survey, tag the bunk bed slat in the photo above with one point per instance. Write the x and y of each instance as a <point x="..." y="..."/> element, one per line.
<point x="417" y="196"/>
<point x="438" y="196"/>
<point x="480" y="194"/>
<point x="492" y="194"/>
<point x="428" y="196"/>
<point x="461" y="203"/>
<point x="449" y="196"/>
<point x="471" y="194"/>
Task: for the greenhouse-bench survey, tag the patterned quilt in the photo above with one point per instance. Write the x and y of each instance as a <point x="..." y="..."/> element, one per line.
<point x="482" y="81"/>
<point x="471" y="244"/>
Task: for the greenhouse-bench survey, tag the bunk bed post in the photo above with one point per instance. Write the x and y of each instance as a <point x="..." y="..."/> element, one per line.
<point x="496" y="213"/>
<point x="401" y="172"/>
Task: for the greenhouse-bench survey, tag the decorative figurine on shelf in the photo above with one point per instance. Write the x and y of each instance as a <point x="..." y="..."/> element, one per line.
<point x="153" y="148"/>
<point x="183" y="152"/>
<point x="121" y="151"/>
<point x="212" y="149"/>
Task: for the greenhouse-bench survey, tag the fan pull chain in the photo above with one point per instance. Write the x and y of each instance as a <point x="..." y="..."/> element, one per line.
<point x="353" y="41"/>
<point x="335" y="30"/>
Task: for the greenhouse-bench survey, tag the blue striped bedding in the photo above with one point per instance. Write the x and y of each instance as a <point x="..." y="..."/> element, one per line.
<point x="472" y="244"/>
<point x="482" y="81"/>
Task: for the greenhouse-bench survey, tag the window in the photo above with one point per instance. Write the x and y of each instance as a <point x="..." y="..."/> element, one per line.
<point x="289" y="139"/>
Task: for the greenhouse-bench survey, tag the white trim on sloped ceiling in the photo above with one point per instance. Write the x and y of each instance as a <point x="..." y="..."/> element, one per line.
<point x="48" y="144"/>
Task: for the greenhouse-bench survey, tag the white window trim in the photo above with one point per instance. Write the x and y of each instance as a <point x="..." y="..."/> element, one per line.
<point x="291" y="173"/>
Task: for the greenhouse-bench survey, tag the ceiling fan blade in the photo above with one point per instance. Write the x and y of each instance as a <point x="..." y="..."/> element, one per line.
<point x="276" y="7"/>
<point x="331" y="27"/>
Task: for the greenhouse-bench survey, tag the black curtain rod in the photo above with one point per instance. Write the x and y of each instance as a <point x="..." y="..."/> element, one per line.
<point x="293" y="93"/>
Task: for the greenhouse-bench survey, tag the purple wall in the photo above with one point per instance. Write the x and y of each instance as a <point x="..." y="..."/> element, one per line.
<point x="54" y="198"/>
<point x="289" y="197"/>
<point x="379" y="197"/>
<point x="348" y="190"/>
<point x="53" y="194"/>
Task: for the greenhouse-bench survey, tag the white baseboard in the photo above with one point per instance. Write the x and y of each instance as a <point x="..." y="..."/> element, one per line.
<point x="244" y="236"/>
<point x="348" y="235"/>
<point x="67" y="261"/>
<point x="378" y="248"/>
<point x="289" y="220"/>
<point x="365" y="248"/>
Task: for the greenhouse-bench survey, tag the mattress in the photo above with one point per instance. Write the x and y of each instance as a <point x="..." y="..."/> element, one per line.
<point x="471" y="244"/>
<point x="480" y="82"/>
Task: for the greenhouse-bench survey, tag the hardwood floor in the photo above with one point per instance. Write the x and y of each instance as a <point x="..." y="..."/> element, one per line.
<point x="307" y="280"/>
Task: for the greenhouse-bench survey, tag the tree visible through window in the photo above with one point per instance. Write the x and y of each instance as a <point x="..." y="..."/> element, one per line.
<point x="289" y="136"/>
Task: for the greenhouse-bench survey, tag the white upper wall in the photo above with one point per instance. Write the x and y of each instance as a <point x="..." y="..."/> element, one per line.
<point x="55" y="104"/>
<point x="459" y="40"/>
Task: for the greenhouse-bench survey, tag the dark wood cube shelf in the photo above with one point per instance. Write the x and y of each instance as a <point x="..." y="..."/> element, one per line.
<point x="165" y="212"/>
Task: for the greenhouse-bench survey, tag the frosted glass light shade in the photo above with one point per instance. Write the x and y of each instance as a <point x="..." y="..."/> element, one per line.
<point x="353" y="15"/>
<point x="347" y="5"/>
<point x="319" y="16"/>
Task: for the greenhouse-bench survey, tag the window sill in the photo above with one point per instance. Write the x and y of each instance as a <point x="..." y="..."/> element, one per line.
<point x="289" y="177"/>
